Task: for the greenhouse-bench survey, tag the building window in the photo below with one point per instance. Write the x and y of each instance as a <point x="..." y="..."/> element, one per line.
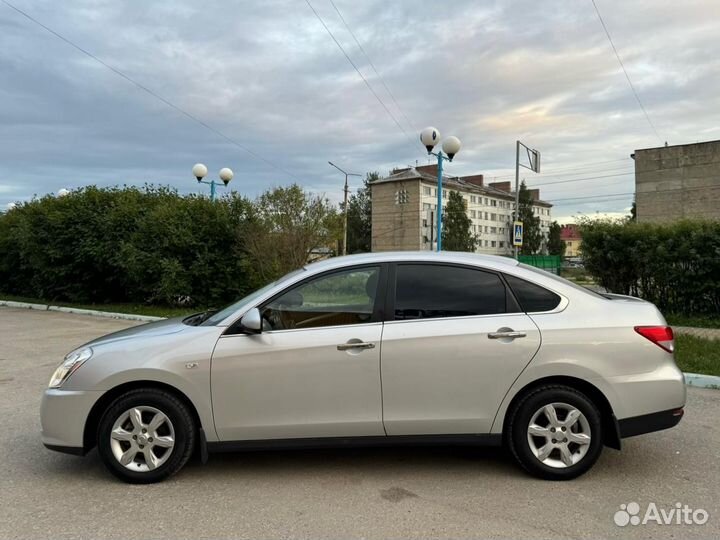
<point x="493" y="230"/>
<point x="427" y="191"/>
<point x="402" y="196"/>
<point x="501" y="230"/>
<point x="486" y="243"/>
<point x="427" y="207"/>
<point x="486" y="215"/>
<point x="424" y="222"/>
<point x="444" y="193"/>
<point x="473" y="199"/>
<point x="493" y="202"/>
<point x="487" y="229"/>
<point x="492" y="243"/>
<point x="473" y="214"/>
<point x="493" y="217"/>
<point x="501" y="244"/>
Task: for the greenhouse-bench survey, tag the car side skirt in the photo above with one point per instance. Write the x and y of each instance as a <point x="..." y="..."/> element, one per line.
<point x="647" y="423"/>
<point x="487" y="439"/>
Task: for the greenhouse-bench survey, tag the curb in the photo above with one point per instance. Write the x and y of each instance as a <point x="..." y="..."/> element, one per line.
<point x="79" y="311"/>
<point x="699" y="380"/>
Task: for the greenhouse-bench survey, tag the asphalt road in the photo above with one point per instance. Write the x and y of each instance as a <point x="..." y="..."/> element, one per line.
<point x="376" y="493"/>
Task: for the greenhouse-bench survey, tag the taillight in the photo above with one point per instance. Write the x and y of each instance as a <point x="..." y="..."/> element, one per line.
<point x="662" y="336"/>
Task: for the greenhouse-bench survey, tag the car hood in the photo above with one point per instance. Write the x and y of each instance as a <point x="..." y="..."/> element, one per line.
<point x="157" y="328"/>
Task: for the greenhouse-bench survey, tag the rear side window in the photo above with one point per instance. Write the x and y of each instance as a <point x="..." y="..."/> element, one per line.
<point x="532" y="298"/>
<point x="425" y="291"/>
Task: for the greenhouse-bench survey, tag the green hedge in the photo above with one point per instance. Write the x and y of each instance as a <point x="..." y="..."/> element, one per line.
<point x="143" y="245"/>
<point x="675" y="266"/>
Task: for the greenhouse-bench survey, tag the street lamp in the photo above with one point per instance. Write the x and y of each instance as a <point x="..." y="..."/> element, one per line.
<point x="345" y="204"/>
<point x="451" y="146"/>
<point x="200" y="171"/>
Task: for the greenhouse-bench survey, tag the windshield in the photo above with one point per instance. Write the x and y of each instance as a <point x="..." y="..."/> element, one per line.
<point x="561" y="280"/>
<point x="249" y="299"/>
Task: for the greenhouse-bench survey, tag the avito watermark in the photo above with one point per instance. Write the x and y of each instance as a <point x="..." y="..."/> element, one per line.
<point x="680" y="514"/>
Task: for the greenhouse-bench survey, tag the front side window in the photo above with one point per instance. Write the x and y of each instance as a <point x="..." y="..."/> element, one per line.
<point x="340" y="298"/>
<point x="424" y="291"/>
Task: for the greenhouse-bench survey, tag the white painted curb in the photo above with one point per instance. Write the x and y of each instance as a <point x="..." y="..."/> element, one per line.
<point x="93" y="312"/>
<point x="702" y="381"/>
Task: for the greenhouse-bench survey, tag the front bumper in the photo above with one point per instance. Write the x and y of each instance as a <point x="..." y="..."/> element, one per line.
<point x="63" y="414"/>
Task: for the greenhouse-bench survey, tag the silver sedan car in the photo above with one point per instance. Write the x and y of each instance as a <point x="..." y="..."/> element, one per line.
<point x="375" y="349"/>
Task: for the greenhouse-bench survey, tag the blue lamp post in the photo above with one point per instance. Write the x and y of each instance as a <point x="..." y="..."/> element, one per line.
<point x="451" y="146"/>
<point x="200" y="171"/>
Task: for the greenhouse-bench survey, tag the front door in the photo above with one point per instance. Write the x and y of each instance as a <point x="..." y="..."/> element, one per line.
<point x="314" y="371"/>
<point x="454" y="348"/>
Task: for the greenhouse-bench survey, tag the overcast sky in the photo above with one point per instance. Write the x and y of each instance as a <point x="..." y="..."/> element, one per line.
<point x="268" y="75"/>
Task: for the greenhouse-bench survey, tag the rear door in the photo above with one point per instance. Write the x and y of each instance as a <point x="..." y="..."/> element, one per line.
<point x="454" y="343"/>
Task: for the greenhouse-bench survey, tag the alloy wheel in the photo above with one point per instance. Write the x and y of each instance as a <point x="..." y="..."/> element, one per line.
<point x="559" y="435"/>
<point x="142" y="438"/>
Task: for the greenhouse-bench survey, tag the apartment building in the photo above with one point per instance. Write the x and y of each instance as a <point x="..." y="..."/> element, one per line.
<point x="404" y="210"/>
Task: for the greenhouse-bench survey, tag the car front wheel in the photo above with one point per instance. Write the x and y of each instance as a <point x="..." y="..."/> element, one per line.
<point x="145" y="436"/>
<point x="555" y="433"/>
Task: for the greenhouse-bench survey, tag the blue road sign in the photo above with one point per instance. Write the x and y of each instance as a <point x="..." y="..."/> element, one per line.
<point x="518" y="233"/>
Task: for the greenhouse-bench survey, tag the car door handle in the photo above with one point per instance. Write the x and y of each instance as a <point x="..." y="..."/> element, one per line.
<point x="358" y="345"/>
<point x="509" y="334"/>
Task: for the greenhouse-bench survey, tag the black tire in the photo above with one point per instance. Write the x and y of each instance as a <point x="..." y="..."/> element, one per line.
<point x="519" y="420"/>
<point x="185" y="433"/>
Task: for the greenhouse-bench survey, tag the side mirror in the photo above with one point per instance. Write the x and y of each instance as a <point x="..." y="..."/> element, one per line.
<point x="252" y="321"/>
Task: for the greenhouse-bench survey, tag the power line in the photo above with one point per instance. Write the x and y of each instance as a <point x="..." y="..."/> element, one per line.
<point x="564" y="170"/>
<point x="148" y="90"/>
<point x="632" y="87"/>
<point x="319" y="18"/>
<point x="579" y="179"/>
<point x="373" y="66"/>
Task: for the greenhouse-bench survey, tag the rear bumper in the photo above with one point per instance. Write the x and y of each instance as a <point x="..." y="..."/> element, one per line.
<point x="647" y="423"/>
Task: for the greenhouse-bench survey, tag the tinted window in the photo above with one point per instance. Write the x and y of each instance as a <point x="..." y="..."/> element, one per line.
<point x="431" y="291"/>
<point x="340" y="298"/>
<point x="532" y="297"/>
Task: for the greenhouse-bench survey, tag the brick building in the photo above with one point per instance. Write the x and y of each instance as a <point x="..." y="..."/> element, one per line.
<point x="404" y="210"/>
<point x="676" y="182"/>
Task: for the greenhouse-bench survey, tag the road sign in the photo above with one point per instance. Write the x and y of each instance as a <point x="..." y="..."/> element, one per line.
<point x="518" y="234"/>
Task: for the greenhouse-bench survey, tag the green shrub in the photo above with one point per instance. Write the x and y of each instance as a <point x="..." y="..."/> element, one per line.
<point x="676" y="266"/>
<point x="143" y="245"/>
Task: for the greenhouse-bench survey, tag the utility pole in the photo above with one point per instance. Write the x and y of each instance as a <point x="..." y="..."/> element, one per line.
<point x="345" y="204"/>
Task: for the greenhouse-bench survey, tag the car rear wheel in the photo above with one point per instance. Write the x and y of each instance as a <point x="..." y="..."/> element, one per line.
<point x="555" y="433"/>
<point x="145" y="436"/>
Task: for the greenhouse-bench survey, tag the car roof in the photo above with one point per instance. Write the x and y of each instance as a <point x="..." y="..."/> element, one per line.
<point x="488" y="261"/>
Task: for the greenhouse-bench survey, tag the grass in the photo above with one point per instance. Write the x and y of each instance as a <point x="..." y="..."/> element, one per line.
<point x="688" y="320"/>
<point x="134" y="309"/>
<point x="697" y="355"/>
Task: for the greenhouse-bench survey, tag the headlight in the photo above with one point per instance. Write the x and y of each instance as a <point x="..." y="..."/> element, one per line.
<point x="72" y="361"/>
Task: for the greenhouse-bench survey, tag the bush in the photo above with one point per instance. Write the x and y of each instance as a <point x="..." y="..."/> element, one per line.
<point x="676" y="266"/>
<point x="142" y="245"/>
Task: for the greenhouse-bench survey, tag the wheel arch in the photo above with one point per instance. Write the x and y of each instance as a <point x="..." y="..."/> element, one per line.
<point x="611" y="432"/>
<point x="93" y="418"/>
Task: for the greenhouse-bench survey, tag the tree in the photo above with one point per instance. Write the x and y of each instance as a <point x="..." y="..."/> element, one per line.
<point x="456" y="233"/>
<point x="286" y="226"/>
<point x="532" y="237"/>
<point x="359" y="234"/>
<point x="556" y="246"/>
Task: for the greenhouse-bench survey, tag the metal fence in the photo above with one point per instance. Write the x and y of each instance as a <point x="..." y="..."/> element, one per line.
<point x="549" y="263"/>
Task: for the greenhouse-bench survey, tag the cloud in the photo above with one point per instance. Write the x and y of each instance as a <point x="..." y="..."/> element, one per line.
<point x="270" y="77"/>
